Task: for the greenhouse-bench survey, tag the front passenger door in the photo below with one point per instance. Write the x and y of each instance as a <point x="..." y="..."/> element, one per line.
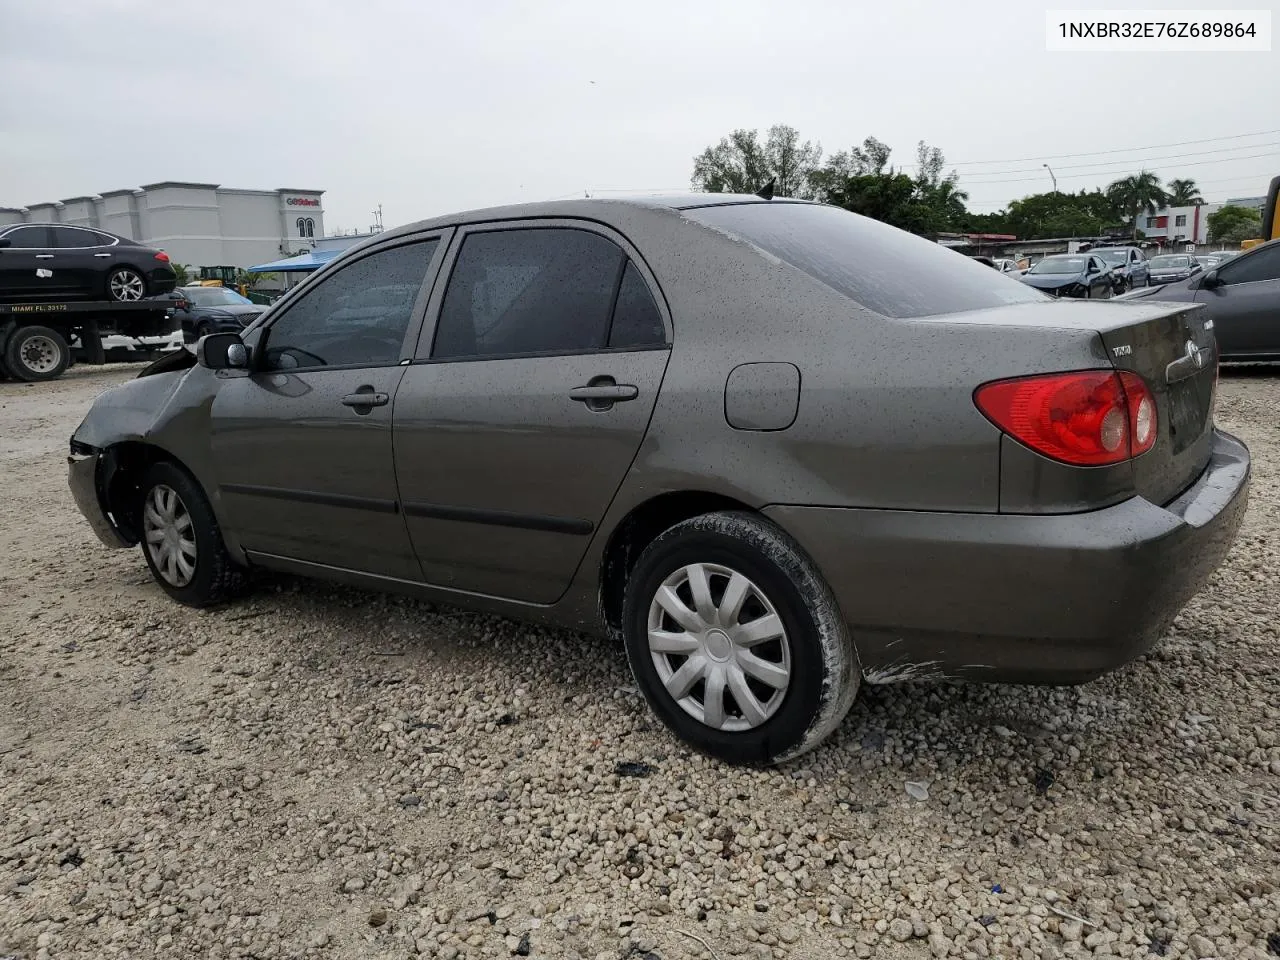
<point x="1246" y="307"/>
<point x="302" y="443"/>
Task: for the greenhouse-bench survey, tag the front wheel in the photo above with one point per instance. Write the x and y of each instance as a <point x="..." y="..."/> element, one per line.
<point x="37" y="353"/>
<point x="126" y="285"/>
<point x="735" y="640"/>
<point x="182" y="541"/>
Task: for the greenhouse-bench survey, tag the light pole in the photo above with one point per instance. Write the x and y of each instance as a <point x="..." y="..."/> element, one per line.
<point x="1055" y="179"/>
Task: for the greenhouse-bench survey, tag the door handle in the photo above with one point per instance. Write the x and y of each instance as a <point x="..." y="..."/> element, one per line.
<point x="44" y="256"/>
<point x="612" y="392"/>
<point x="102" y="254"/>
<point x="601" y="393"/>
<point x="366" y="398"/>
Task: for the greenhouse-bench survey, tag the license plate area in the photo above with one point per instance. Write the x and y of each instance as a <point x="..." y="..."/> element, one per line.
<point x="1188" y="407"/>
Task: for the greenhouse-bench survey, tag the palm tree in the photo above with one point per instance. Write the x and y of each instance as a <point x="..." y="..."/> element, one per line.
<point x="1184" y="193"/>
<point x="1134" y="195"/>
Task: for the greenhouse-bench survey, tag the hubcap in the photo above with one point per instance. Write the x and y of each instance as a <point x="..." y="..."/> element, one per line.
<point x="40" y="354"/>
<point x="719" y="647"/>
<point x="126" y="285"/>
<point x="169" y="535"/>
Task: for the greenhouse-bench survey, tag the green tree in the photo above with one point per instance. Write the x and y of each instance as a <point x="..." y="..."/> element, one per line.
<point x="740" y="163"/>
<point x="1234" y="224"/>
<point x="1136" y="194"/>
<point x="183" y="272"/>
<point x="1184" y="193"/>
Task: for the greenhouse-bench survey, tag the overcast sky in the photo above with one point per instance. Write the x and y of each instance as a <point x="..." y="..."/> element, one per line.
<point x="432" y="106"/>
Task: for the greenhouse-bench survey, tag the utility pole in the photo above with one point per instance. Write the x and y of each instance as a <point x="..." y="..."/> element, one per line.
<point x="1055" y="179"/>
<point x="377" y="219"/>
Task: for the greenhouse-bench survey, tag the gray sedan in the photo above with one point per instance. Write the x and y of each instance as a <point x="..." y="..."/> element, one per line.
<point x="1242" y="294"/>
<point x="733" y="432"/>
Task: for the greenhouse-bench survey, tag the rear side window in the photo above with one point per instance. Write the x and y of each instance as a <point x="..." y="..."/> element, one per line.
<point x="357" y="315"/>
<point x="73" y="238"/>
<point x="636" y="320"/>
<point x="537" y="290"/>
<point x="889" y="271"/>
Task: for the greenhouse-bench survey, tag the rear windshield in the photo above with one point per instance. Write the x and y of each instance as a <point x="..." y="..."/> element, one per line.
<point x="890" y="271"/>
<point x="1170" y="262"/>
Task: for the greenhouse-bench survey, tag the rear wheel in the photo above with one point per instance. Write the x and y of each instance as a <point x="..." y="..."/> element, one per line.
<point x="36" y="353"/>
<point x="125" y="285"/>
<point x="735" y="640"/>
<point x="182" y="541"/>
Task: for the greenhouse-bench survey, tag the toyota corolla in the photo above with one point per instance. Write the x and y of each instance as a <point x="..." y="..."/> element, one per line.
<point x="733" y="431"/>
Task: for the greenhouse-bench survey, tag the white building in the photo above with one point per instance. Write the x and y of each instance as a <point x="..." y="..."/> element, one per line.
<point x="1177" y="225"/>
<point x="197" y="224"/>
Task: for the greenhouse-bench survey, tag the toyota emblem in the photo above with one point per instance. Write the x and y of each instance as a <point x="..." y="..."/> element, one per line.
<point x="1194" y="353"/>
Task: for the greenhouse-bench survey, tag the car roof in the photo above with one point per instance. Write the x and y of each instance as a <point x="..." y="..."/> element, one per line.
<point x="584" y="208"/>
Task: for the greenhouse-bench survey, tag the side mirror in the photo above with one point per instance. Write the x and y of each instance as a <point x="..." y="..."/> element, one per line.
<point x="1211" y="280"/>
<point x="222" y="351"/>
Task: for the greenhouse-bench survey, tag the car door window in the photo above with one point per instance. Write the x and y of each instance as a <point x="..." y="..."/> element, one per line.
<point x="358" y="316"/>
<point x="536" y="290"/>
<point x="73" y="238"/>
<point x="636" y="320"/>
<point x="1263" y="265"/>
<point x="29" y="238"/>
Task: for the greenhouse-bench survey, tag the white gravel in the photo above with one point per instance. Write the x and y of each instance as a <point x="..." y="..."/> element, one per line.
<point x="318" y="772"/>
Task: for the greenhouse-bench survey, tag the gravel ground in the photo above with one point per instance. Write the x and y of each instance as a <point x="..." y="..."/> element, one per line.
<point x="318" y="772"/>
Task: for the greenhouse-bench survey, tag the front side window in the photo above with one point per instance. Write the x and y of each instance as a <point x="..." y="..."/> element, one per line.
<point x="357" y="316"/>
<point x="1263" y="265"/>
<point x="536" y="290"/>
<point x="29" y="238"/>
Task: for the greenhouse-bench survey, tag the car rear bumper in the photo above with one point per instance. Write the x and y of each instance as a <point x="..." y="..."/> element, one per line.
<point x="1020" y="598"/>
<point x="83" y="476"/>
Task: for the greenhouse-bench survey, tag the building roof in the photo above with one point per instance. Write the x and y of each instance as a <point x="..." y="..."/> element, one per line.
<point x="296" y="190"/>
<point x="180" y="183"/>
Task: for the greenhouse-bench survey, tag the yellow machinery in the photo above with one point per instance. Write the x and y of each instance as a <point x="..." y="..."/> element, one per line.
<point x="220" y="277"/>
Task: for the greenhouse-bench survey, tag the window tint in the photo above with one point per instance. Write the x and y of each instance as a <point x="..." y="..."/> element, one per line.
<point x="28" y="238"/>
<point x="1263" y="265"/>
<point x="357" y="315"/>
<point x="70" y="238"/>
<point x="636" y="320"/>
<point x="887" y="270"/>
<point x="543" y="290"/>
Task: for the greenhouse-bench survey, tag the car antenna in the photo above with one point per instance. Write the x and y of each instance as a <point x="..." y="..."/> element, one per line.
<point x="766" y="192"/>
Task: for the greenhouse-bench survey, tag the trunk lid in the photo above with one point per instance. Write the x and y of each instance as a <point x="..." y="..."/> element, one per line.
<point x="1171" y="349"/>
<point x="1159" y="342"/>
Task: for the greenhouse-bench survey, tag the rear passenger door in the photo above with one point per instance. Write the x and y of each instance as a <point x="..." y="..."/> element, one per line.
<point x="1246" y="307"/>
<point x="526" y="403"/>
<point x="83" y="256"/>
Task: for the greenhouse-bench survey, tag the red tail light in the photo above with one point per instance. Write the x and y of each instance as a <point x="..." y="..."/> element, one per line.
<point x="1087" y="418"/>
<point x="162" y="257"/>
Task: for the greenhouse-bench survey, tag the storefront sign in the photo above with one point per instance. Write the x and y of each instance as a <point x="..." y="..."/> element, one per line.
<point x="302" y="202"/>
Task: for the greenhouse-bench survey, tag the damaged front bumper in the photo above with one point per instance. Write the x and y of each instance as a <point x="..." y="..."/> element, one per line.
<point x="86" y="478"/>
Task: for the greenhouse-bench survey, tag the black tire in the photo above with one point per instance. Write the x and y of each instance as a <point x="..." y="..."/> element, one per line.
<point x="824" y="671"/>
<point x="216" y="576"/>
<point x="126" y="285"/>
<point x="36" y="353"/>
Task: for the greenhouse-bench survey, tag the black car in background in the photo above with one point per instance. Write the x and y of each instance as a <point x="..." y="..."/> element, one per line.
<point x="1071" y="275"/>
<point x="54" y="261"/>
<point x="206" y="310"/>
<point x="1243" y="297"/>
